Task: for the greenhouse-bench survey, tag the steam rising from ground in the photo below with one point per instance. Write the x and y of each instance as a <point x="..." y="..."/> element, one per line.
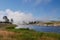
<point x="18" y="16"/>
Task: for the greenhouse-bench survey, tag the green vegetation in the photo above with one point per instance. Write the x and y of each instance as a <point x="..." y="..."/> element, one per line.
<point x="10" y="33"/>
<point x="6" y="26"/>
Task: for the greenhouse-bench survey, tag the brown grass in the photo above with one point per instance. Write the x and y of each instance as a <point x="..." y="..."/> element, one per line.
<point x="24" y="34"/>
<point x="8" y="35"/>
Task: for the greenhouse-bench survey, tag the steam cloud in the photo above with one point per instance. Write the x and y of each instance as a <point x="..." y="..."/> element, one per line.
<point x="17" y="16"/>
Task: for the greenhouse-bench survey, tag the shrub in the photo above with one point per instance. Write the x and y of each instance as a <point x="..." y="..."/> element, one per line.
<point x="10" y="27"/>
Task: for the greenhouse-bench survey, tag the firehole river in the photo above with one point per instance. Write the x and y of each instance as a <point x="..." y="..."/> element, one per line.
<point x="41" y="28"/>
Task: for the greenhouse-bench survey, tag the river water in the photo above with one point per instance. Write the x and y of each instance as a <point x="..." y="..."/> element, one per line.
<point x="41" y="28"/>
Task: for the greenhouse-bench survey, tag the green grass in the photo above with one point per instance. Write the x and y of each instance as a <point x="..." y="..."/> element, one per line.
<point x="27" y="34"/>
<point x="7" y="26"/>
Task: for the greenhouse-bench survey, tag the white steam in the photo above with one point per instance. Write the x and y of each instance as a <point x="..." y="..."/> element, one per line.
<point x="17" y="16"/>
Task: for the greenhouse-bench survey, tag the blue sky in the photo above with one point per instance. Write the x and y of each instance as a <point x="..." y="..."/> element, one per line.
<point x="43" y="9"/>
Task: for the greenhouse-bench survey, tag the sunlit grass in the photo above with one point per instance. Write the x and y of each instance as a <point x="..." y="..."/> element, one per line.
<point x="27" y="34"/>
<point x="10" y="33"/>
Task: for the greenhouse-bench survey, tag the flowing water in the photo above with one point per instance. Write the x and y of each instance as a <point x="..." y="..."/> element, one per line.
<point x="41" y="28"/>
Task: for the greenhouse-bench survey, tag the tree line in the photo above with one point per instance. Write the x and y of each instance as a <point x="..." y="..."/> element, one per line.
<point x="6" y="20"/>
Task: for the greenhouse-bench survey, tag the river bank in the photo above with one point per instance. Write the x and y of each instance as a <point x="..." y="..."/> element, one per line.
<point x="10" y="33"/>
<point x="26" y="34"/>
<point x="55" y="24"/>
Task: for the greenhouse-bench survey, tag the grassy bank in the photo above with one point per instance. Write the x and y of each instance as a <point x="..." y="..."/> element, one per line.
<point x="4" y="26"/>
<point x="26" y="34"/>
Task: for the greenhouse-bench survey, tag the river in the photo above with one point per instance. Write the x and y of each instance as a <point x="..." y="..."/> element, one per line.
<point x="41" y="28"/>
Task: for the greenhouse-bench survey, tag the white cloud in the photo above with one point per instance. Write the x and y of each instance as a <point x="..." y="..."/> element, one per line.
<point x="1" y="15"/>
<point x="17" y="16"/>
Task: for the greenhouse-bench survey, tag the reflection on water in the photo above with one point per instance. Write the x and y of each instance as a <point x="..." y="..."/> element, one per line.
<point x="41" y="28"/>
